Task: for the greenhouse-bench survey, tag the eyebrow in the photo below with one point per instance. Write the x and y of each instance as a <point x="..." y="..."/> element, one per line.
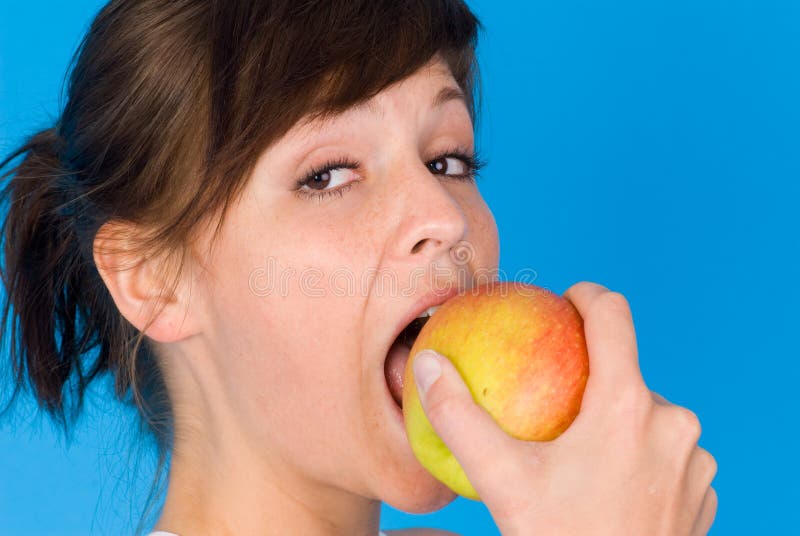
<point x="445" y="95"/>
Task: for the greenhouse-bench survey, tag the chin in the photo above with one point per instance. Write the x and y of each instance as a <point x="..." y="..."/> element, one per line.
<point x="421" y="495"/>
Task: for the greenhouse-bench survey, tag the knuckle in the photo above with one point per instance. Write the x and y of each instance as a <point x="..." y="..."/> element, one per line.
<point x="687" y="423"/>
<point x="709" y="466"/>
<point x="713" y="500"/>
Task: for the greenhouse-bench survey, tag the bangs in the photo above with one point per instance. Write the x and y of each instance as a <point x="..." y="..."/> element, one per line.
<point x="279" y="62"/>
<point x="397" y="45"/>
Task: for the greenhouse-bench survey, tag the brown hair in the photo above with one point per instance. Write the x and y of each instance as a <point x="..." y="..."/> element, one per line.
<point x="169" y="104"/>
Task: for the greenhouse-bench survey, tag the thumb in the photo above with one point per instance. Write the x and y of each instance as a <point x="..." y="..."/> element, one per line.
<point x="486" y="453"/>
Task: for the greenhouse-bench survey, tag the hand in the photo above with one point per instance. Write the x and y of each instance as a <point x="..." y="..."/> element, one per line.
<point x="628" y="464"/>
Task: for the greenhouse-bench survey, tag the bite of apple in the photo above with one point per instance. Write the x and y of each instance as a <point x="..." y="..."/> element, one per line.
<point x="521" y="351"/>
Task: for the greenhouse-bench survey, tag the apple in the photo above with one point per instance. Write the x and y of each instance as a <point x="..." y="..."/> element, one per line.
<point x="521" y="351"/>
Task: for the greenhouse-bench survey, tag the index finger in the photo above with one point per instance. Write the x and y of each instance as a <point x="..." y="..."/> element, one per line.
<point x="610" y="341"/>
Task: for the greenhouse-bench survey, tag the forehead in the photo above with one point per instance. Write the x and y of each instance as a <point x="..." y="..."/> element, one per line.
<point x="429" y="99"/>
<point x="430" y="89"/>
<point x="432" y="84"/>
<point x="433" y="77"/>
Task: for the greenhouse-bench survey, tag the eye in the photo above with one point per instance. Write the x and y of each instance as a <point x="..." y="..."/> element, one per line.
<point x="329" y="179"/>
<point x="332" y="177"/>
<point x="449" y="165"/>
<point x="457" y="163"/>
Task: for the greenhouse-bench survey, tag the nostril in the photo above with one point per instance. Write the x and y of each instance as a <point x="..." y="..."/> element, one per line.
<point x="418" y="246"/>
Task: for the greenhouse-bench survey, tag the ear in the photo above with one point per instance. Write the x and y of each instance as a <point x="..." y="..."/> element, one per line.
<point x="137" y="285"/>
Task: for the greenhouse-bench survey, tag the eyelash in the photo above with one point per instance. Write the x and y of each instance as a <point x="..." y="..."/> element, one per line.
<point x="473" y="162"/>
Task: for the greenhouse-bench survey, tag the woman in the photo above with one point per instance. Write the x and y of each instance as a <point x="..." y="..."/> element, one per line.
<point x="213" y="220"/>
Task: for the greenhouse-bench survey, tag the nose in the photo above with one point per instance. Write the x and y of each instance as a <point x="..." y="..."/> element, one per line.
<point x="431" y="221"/>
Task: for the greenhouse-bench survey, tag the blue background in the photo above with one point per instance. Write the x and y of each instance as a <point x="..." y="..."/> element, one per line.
<point x="653" y="147"/>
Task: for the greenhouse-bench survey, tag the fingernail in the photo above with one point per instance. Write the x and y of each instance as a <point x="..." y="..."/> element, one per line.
<point x="426" y="370"/>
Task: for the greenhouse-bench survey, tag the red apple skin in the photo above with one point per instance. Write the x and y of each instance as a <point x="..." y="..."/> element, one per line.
<point x="521" y="352"/>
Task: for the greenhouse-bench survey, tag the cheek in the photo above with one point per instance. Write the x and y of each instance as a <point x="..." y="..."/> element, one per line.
<point x="483" y="234"/>
<point x="294" y="318"/>
<point x="294" y="358"/>
<point x="275" y="313"/>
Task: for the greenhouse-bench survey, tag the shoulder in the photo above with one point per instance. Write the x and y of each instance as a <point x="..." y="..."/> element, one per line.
<point x="420" y="532"/>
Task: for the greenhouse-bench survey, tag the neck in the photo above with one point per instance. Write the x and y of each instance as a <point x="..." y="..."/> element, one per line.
<point x="235" y="494"/>
<point x="224" y="481"/>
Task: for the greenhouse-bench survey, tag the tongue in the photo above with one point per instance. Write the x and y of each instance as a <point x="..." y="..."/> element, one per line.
<point x="394" y="369"/>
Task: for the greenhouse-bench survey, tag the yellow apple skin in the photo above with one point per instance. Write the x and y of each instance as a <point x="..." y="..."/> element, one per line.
<point x="521" y="352"/>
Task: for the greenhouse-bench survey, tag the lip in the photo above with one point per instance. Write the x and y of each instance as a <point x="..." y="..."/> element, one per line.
<point x="397" y="410"/>
<point x="430" y="299"/>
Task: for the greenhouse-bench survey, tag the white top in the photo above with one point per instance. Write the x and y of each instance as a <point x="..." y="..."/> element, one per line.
<point x="165" y="533"/>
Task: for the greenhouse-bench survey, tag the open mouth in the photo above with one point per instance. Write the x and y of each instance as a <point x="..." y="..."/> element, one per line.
<point x="396" y="358"/>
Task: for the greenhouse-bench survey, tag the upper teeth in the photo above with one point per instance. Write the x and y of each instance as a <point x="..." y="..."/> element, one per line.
<point x="428" y="312"/>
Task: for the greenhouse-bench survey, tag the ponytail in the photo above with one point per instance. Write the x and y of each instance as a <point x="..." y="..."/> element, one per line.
<point x="54" y="309"/>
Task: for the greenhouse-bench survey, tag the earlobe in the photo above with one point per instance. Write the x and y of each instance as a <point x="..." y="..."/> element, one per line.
<point x="141" y="286"/>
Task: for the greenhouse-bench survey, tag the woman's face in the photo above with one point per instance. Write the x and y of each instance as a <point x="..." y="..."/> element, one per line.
<point x="310" y="287"/>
